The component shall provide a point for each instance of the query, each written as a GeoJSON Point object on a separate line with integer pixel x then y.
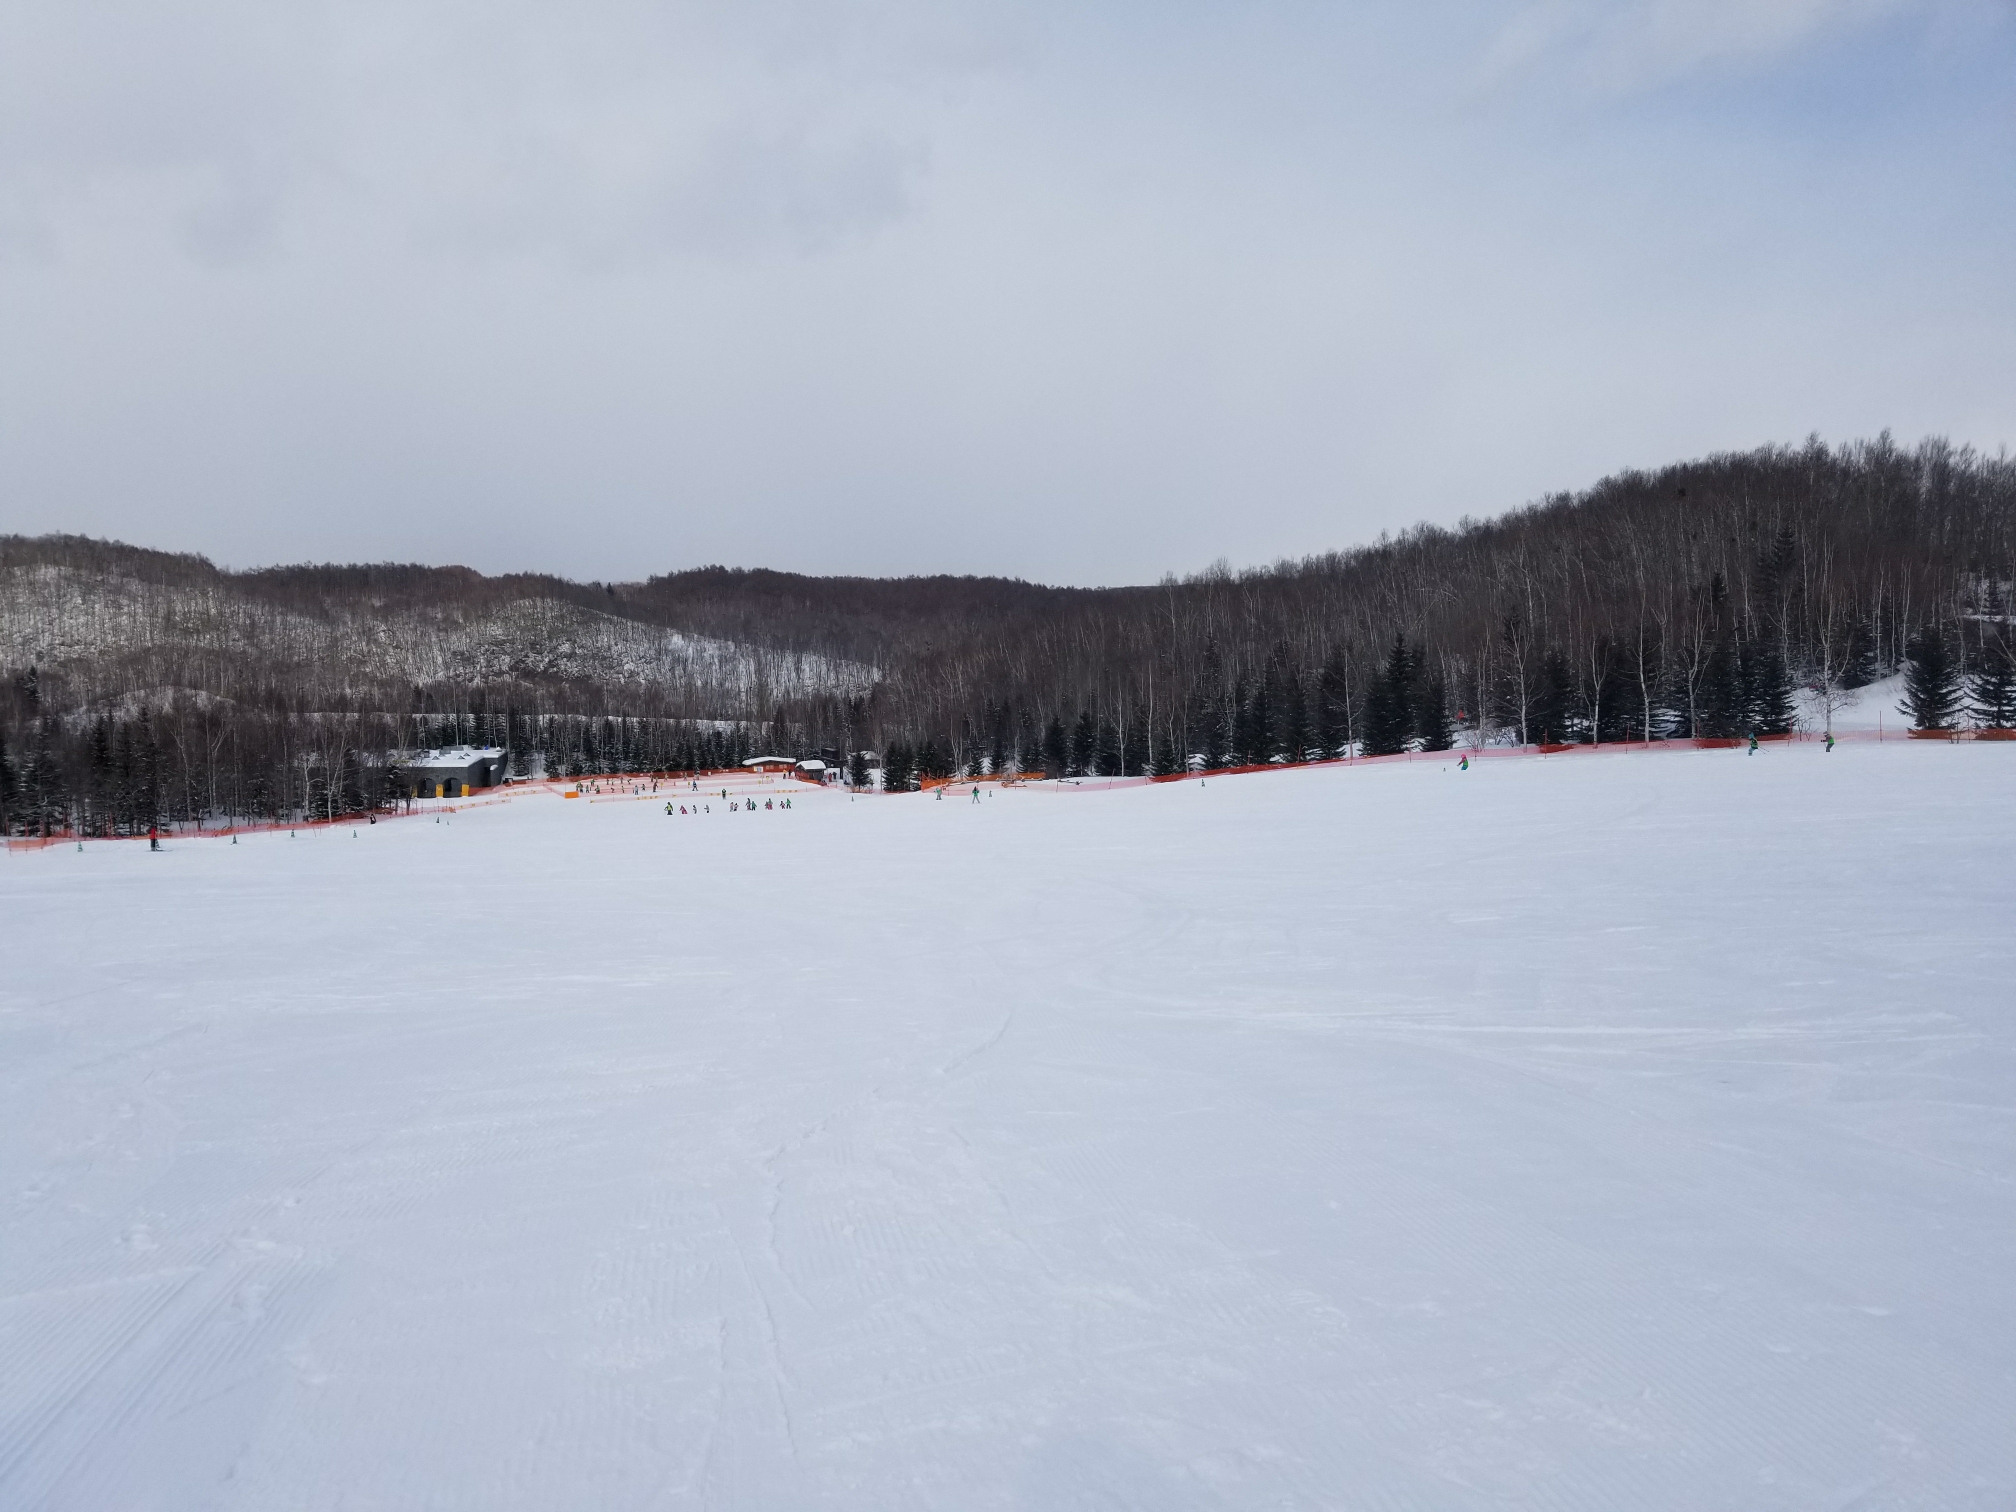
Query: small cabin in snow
{"type": "Point", "coordinates": [770, 764]}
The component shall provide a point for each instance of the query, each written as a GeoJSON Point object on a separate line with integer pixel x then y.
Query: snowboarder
{"type": "Point", "coordinates": [1464, 764]}
{"type": "Point", "coordinates": [1830, 741]}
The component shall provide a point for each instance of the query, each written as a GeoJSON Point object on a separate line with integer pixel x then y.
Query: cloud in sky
{"type": "Point", "coordinates": [1627, 44]}
{"type": "Point", "coordinates": [1082, 293]}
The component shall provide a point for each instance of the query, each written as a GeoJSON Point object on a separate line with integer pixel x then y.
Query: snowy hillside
{"type": "Point", "coordinates": [1607, 1131]}
{"type": "Point", "coordinates": [53, 615]}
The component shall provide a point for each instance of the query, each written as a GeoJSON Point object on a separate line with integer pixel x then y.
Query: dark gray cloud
{"type": "Point", "coordinates": [1082, 293]}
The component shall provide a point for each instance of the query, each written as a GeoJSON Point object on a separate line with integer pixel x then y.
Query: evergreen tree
{"type": "Point", "coordinates": [1767, 689]}
{"type": "Point", "coordinates": [350, 784]}
{"type": "Point", "coordinates": [1298, 739]}
{"type": "Point", "coordinates": [1431, 715]}
{"type": "Point", "coordinates": [101, 782]}
{"type": "Point", "coordinates": [1721, 696]}
{"type": "Point", "coordinates": [1333, 704]}
{"type": "Point", "coordinates": [7, 788]}
{"type": "Point", "coordinates": [1056, 749]}
{"type": "Point", "coordinates": [1389, 703]}
{"type": "Point", "coordinates": [1991, 679]}
{"type": "Point", "coordinates": [1859, 669]}
{"type": "Point", "coordinates": [857, 770]}
{"type": "Point", "coordinates": [1931, 681]}
{"type": "Point", "coordinates": [896, 768]}
{"type": "Point", "coordinates": [1551, 714]}
{"type": "Point", "coordinates": [1207, 709]}
{"type": "Point", "coordinates": [1084, 745]}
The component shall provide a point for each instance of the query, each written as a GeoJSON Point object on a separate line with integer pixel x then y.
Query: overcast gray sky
{"type": "Point", "coordinates": [1079, 292]}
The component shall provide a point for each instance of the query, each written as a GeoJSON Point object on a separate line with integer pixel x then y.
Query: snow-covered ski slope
{"type": "Point", "coordinates": [1592, 1132]}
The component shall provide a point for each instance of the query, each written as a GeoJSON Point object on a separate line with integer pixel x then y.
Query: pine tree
{"type": "Point", "coordinates": [1084, 745]}
{"type": "Point", "coordinates": [1298, 739]}
{"type": "Point", "coordinates": [1991, 679]}
{"type": "Point", "coordinates": [1552, 706]}
{"type": "Point", "coordinates": [350, 784]}
{"type": "Point", "coordinates": [1721, 699]}
{"type": "Point", "coordinates": [1333, 705]}
{"type": "Point", "coordinates": [1056, 749]}
{"type": "Point", "coordinates": [1767, 689]}
{"type": "Point", "coordinates": [1431, 715]}
{"type": "Point", "coordinates": [1207, 709]}
{"type": "Point", "coordinates": [1859, 668]}
{"type": "Point", "coordinates": [857, 770]}
{"type": "Point", "coordinates": [101, 781]}
{"type": "Point", "coordinates": [896, 768]}
{"type": "Point", "coordinates": [1389, 703]}
{"type": "Point", "coordinates": [1931, 681]}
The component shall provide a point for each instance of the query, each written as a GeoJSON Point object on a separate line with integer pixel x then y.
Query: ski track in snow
{"type": "Point", "coordinates": [1582, 1134]}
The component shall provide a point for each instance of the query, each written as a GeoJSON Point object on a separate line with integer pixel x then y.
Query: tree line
{"type": "Point", "coordinates": [1690, 601]}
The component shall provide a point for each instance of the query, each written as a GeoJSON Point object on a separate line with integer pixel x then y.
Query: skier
{"type": "Point", "coordinates": [153, 838]}
{"type": "Point", "coordinates": [1753, 744]}
{"type": "Point", "coordinates": [976, 792]}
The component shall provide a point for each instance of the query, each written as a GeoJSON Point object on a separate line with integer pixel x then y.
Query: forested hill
{"type": "Point", "coordinates": [1682, 601]}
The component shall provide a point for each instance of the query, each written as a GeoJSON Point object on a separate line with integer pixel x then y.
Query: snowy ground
{"type": "Point", "coordinates": [1588, 1132]}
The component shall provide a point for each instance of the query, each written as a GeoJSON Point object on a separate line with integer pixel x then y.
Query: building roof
{"type": "Point", "coordinates": [771, 761]}
{"type": "Point", "coordinates": [460, 758]}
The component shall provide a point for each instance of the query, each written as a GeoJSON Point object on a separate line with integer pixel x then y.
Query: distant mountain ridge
{"type": "Point", "coordinates": [103, 618]}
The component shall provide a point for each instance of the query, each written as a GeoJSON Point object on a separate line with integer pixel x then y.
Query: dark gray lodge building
{"type": "Point", "coordinates": [452, 773]}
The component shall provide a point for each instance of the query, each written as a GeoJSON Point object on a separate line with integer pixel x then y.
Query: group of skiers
{"type": "Point", "coordinates": [735, 805]}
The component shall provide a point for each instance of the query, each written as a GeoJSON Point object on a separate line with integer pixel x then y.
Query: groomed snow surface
{"type": "Point", "coordinates": [1599, 1132]}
